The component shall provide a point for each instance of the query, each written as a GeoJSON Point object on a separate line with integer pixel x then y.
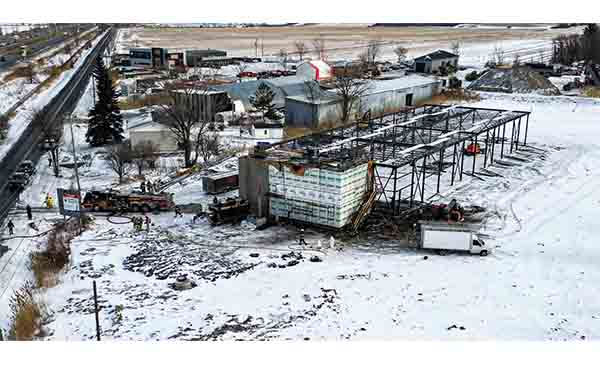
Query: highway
{"type": "Point", "coordinates": [29, 147]}
{"type": "Point", "coordinates": [12, 52]}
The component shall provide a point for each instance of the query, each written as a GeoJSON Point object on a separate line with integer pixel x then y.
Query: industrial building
{"type": "Point", "coordinates": [207, 103]}
{"type": "Point", "coordinates": [150, 57]}
{"type": "Point", "coordinates": [393, 162]}
{"type": "Point", "coordinates": [282, 87]}
{"type": "Point", "coordinates": [383, 96]}
{"type": "Point", "coordinates": [194, 57]}
{"type": "Point", "coordinates": [431, 63]}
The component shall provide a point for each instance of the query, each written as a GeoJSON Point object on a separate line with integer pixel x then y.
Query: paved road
{"type": "Point", "coordinates": [28, 146]}
{"type": "Point", "coordinates": [11, 58]}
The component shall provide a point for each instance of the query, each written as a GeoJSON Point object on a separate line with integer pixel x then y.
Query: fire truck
{"type": "Point", "coordinates": [112, 201]}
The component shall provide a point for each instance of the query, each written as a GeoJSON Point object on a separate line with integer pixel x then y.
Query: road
{"type": "Point", "coordinates": [12, 54]}
{"type": "Point", "coordinates": [28, 147]}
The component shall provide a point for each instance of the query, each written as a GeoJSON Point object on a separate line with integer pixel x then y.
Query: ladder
{"type": "Point", "coordinates": [364, 209]}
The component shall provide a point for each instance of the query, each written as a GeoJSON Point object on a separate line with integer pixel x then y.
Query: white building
{"type": "Point", "coordinates": [267, 131]}
{"type": "Point", "coordinates": [314, 70]}
{"type": "Point", "coordinates": [142, 129]}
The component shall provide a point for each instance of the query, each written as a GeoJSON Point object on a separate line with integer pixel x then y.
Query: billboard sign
{"type": "Point", "coordinates": [69, 202]}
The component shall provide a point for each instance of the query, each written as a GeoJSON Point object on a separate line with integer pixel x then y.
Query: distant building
{"type": "Point", "coordinates": [431, 63]}
{"type": "Point", "coordinates": [176, 59]}
{"type": "Point", "coordinates": [282, 87]}
{"type": "Point", "coordinates": [383, 96]}
{"type": "Point", "coordinates": [195, 57]}
{"type": "Point", "coordinates": [150, 57]}
{"type": "Point", "coordinates": [314, 70]}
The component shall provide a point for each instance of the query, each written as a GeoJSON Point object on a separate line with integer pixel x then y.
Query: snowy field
{"type": "Point", "coordinates": [538, 284]}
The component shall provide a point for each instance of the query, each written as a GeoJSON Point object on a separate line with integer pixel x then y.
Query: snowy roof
{"type": "Point", "coordinates": [437, 55]}
{"type": "Point", "coordinates": [405, 82]}
{"type": "Point", "coordinates": [282, 86]}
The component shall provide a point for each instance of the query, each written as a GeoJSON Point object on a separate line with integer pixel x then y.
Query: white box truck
{"type": "Point", "coordinates": [443, 237]}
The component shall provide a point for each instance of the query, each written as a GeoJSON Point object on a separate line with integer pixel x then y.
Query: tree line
{"type": "Point", "coordinates": [567, 49]}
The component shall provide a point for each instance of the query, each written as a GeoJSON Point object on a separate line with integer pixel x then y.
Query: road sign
{"type": "Point", "coordinates": [69, 202]}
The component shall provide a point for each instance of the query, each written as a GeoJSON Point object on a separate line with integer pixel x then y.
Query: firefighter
{"type": "Point", "coordinates": [301, 240]}
{"type": "Point", "coordinates": [49, 201]}
{"type": "Point", "coordinates": [49, 160]}
{"type": "Point", "coordinates": [147, 224]}
{"type": "Point", "coordinates": [11, 227]}
{"type": "Point", "coordinates": [29, 215]}
{"type": "Point", "coordinates": [143, 186]}
{"type": "Point", "coordinates": [331, 242]}
{"type": "Point", "coordinates": [149, 187]}
{"type": "Point", "coordinates": [178, 212]}
{"type": "Point", "coordinates": [215, 201]}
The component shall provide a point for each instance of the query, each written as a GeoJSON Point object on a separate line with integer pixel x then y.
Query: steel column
{"type": "Point", "coordinates": [503, 136]}
{"type": "Point", "coordinates": [453, 165]}
{"type": "Point", "coordinates": [526, 128]}
{"type": "Point", "coordinates": [412, 183]}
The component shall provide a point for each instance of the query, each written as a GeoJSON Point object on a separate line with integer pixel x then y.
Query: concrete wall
{"type": "Point", "coordinates": [308, 115]}
{"type": "Point", "coordinates": [254, 184]}
{"type": "Point", "coordinates": [434, 65]}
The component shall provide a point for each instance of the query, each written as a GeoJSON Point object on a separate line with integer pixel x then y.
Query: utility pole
{"type": "Point", "coordinates": [96, 311]}
{"type": "Point", "coordinates": [262, 48]}
{"type": "Point", "coordinates": [76, 169]}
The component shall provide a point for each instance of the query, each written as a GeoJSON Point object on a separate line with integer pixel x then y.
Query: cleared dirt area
{"type": "Point", "coordinates": [341, 40]}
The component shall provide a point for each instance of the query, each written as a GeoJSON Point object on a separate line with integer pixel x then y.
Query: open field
{"type": "Point", "coordinates": [342, 41]}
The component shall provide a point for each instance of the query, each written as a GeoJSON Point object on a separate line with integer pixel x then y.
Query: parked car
{"type": "Point", "coordinates": [18, 181]}
{"type": "Point", "coordinates": [27, 167]}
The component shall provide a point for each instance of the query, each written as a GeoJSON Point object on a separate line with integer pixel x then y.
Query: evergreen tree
{"type": "Point", "coordinates": [262, 101]}
{"type": "Point", "coordinates": [105, 123]}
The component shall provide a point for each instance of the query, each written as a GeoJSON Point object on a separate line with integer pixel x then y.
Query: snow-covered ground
{"type": "Point", "coordinates": [538, 284]}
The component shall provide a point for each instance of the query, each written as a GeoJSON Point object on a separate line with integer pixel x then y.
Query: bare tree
{"type": "Point", "coordinates": [144, 153]}
{"type": "Point", "coordinates": [349, 90]}
{"type": "Point", "coordinates": [184, 113]}
{"type": "Point", "coordinates": [456, 48]}
{"type": "Point", "coordinates": [373, 50]}
{"type": "Point", "coordinates": [498, 54]}
{"type": "Point", "coordinates": [239, 69]}
{"type": "Point", "coordinates": [319, 46]}
{"type": "Point", "coordinates": [209, 146]}
{"type": "Point", "coordinates": [283, 58]}
{"type": "Point", "coordinates": [301, 48]}
{"type": "Point", "coordinates": [312, 90]}
{"type": "Point", "coordinates": [517, 60]}
{"type": "Point", "coordinates": [119, 159]}
{"type": "Point", "coordinates": [401, 53]}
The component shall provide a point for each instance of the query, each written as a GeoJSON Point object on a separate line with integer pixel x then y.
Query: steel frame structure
{"type": "Point", "coordinates": [416, 144]}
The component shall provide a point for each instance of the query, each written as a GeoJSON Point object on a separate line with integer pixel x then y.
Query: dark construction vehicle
{"type": "Point", "coordinates": [230, 211]}
{"type": "Point", "coordinates": [111, 201]}
{"type": "Point", "coordinates": [220, 183]}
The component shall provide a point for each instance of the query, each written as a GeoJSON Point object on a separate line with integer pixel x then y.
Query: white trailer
{"type": "Point", "coordinates": [443, 237]}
